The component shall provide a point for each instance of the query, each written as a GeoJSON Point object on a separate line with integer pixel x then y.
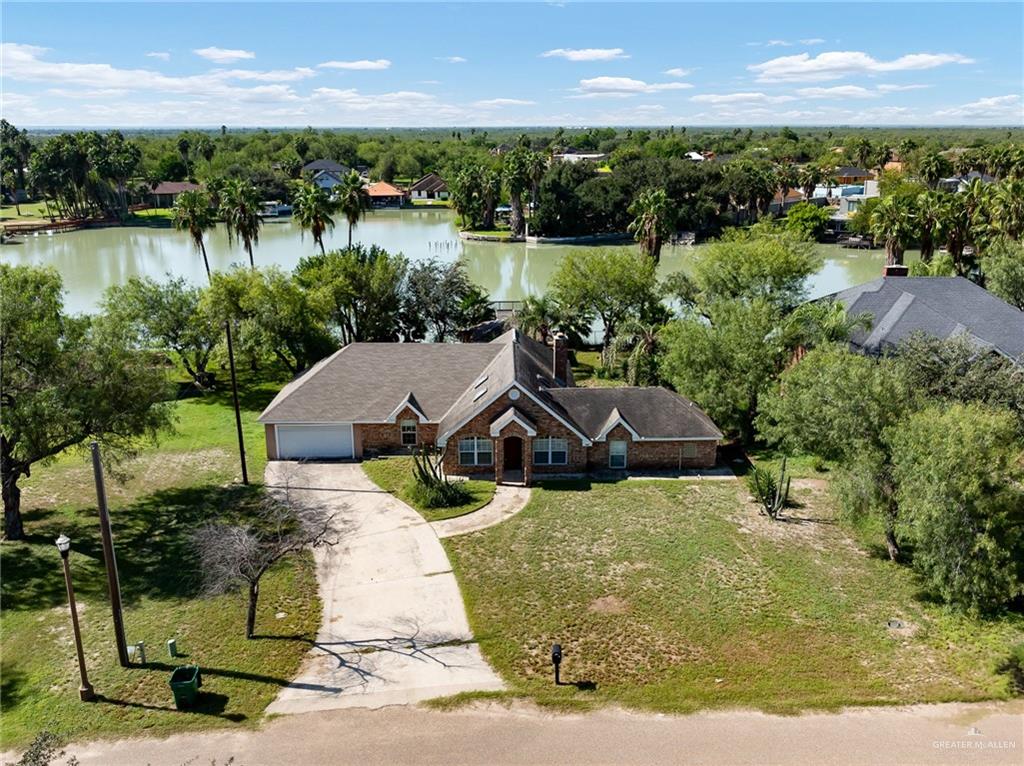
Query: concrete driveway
{"type": "Point", "coordinates": [394, 628]}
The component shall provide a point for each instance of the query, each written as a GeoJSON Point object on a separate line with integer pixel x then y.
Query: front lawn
{"type": "Point", "coordinates": [393, 474]}
{"type": "Point", "coordinates": [677, 596]}
{"type": "Point", "coordinates": [172, 488]}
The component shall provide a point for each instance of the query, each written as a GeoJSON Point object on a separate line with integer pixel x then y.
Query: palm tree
{"type": "Point", "coordinates": [240, 207]}
{"type": "Point", "coordinates": [808, 178]}
{"type": "Point", "coordinates": [536, 165]}
{"type": "Point", "coordinates": [653, 221]}
{"type": "Point", "coordinates": [192, 213]}
{"type": "Point", "coordinates": [930, 220]}
{"type": "Point", "coordinates": [862, 151]}
{"type": "Point", "coordinates": [541, 317]}
{"type": "Point", "coordinates": [956, 226]}
{"type": "Point", "coordinates": [515, 170]}
{"type": "Point", "coordinates": [184, 145]}
{"type": "Point", "coordinates": [788, 178]}
{"type": "Point", "coordinates": [1008, 208]}
{"type": "Point", "coordinates": [312, 208]}
{"type": "Point", "coordinates": [489, 186]}
{"type": "Point", "coordinates": [932, 168]}
{"type": "Point", "coordinates": [639, 341]}
{"type": "Point", "coordinates": [894, 221]}
{"type": "Point", "coordinates": [352, 201]}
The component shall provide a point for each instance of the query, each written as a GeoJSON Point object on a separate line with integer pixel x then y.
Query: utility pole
{"type": "Point", "coordinates": [113, 582]}
{"type": "Point", "coordinates": [234, 394]}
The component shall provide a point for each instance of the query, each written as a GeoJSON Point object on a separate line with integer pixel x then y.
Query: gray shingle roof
{"type": "Point", "coordinates": [364, 382]}
{"type": "Point", "coordinates": [451, 382]}
{"type": "Point", "coordinates": [940, 306]}
{"type": "Point", "coordinates": [654, 413]}
{"type": "Point", "coordinates": [331, 165]}
{"type": "Point", "coordinates": [431, 182]}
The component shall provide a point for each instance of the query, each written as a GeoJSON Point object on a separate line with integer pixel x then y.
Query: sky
{"type": "Point", "coordinates": [426, 64]}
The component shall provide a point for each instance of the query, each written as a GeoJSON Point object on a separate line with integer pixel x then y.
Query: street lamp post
{"type": "Point", "coordinates": [85, 691]}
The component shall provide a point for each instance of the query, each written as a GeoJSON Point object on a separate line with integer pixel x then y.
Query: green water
{"type": "Point", "coordinates": [93, 259]}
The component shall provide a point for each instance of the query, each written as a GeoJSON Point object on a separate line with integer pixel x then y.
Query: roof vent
{"type": "Point", "coordinates": [480, 381]}
{"type": "Point", "coordinates": [479, 393]}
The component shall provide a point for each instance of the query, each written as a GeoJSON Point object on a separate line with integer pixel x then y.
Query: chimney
{"type": "Point", "coordinates": [560, 358]}
{"type": "Point", "coordinates": [895, 270]}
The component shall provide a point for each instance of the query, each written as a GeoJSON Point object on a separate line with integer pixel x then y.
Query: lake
{"type": "Point", "coordinates": [93, 259]}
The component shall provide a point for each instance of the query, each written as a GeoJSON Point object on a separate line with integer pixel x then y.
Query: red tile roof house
{"type": "Point", "coordinates": [507, 409]}
{"type": "Point", "coordinates": [383, 194]}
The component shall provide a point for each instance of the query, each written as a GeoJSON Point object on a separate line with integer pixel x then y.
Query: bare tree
{"type": "Point", "coordinates": [235, 555]}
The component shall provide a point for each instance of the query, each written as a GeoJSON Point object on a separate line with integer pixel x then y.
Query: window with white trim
{"type": "Point", "coordinates": [476, 450]}
{"type": "Point", "coordinates": [689, 449]}
{"type": "Point", "coordinates": [550, 451]}
{"type": "Point", "coordinates": [408, 433]}
{"type": "Point", "coordinates": [616, 454]}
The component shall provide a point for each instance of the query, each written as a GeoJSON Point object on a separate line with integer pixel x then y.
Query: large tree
{"type": "Point", "coordinates": [168, 315]}
{"type": "Point", "coordinates": [894, 222]}
{"type": "Point", "coordinates": [516, 174]}
{"type": "Point", "coordinates": [612, 285]}
{"type": "Point", "coordinates": [363, 288]}
{"type": "Point", "coordinates": [963, 508]}
{"type": "Point", "coordinates": [1003, 267]}
{"type": "Point", "coordinates": [65, 379]}
{"type": "Point", "coordinates": [440, 299]}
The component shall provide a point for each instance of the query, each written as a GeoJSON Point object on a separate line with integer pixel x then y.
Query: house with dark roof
{"type": "Point", "coordinates": [847, 174]}
{"type": "Point", "coordinates": [507, 409]}
{"type": "Point", "coordinates": [165, 193]}
{"type": "Point", "coordinates": [943, 307]}
{"type": "Point", "coordinates": [431, 186]}
{"type": "Point", "coordinates": [325, 173]}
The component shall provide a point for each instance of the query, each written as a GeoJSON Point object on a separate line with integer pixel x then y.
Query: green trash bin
{"type": "Point", "coordinates": [185, 682]}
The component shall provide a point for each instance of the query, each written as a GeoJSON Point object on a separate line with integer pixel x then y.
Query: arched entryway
{"type": "Point", "coordinates": [512, 454]}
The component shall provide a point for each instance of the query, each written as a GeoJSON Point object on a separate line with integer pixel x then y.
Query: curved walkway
{"type": "Point", "coordinates": [507, 502]}
{"type": "Point", "coordinates": [394, 627]}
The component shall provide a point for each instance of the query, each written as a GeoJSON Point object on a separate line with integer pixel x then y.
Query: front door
{"type": "Point", "coordinates": [513, 449]}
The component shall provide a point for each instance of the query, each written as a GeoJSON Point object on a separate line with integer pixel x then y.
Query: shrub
{"type": "Point", "coordinates": [771, 493]}
{"type": "Point", "coordinates": [429, 488]}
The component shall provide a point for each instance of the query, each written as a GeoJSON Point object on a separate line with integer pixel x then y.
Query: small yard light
{"type": "Point", "coordinates": [556, 660]}
{"type": "Point", "coordinates": [85, 691]}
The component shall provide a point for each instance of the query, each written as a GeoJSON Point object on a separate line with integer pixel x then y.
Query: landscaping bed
{"type": "Point", "coordinates": [171, 490]}
{"type": "Point", "coordinates": [678, 596]}
{"type": "Point", "coordinates": [394, 473]}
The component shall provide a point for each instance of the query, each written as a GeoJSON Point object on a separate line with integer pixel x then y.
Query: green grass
{"type": "Point", "coordinates": [678, 596]}
{"type": "Point", "coordinates": [588, 371]}
{"type": "Point", "coordinates": [171, 488]}
{"type": "Point", "coordinates": [431, 203]}
{"type": "Point", "coordinates": [499, 233]}
{"type": "Point", "coordinates": [29, 211]}
{"type": "Point", "coordinates": [393, 474]}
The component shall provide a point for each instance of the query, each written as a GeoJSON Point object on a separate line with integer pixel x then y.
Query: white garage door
{"type": "Point", "coordinates": [298, 442]}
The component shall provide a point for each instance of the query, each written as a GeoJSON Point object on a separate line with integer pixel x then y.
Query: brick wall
{"type": "Point", "coordinates": [376, 438]}
{"type": "Point", "coordinates": [654, 454]}
{"type": "Point", "coordinates": [271, 437]}
{"type": "Point", "coordinates": [546, 426]}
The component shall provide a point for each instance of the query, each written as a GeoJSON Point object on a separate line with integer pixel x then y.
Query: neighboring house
{"type": "Point", "coordinates": [325, 173]}
{"type": "Point", "coordinates": [847, 174]}
{"type": "Point", "coordinates": [695, 157]}
{"type": "Point", "coordinates": [383, 194]}
{"type": "Point", "coordinates": [165, 193]}
{"type": "Point", "coordinates": [849, 204]}
{"type": "Point", "coordinates": [940, 306]}
{"type": "Point", "coordinates": [431, 186]}
{"type": "Point", "coordinates": [960, 183]}
{"type": "Point", "coordinates": [506, 409]}
{"type": "Point", "coordinates": [778, 204]}
{"type": "Point", "coordinates": [594, 157]}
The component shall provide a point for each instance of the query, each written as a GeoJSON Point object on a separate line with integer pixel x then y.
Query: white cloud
{"type": "Point", "coordinates": [361, 64]}
{"type": "Point", "coordinates": [812, 41]}
{"type": "Point", "coordinates": [621, 87]}
{"type": "Point", "coordinates": [898, 88]}
{"type": "Point", "coordinates": [493, 102]}
{"type": "Point", "coordinates": [834, 65]}
{"type": "Point", "coordinates": [838, 91]}
{"type": "Point", "coordinates": [778, 44]}
{"type": "Point", "coordinates": [85, 93]}
{"type": "Point", "coordinates": [678, 72]}
{"type": "Point", "coordinates": [452, 59]}
{"type": "Point", "coordinates": [586, 54]}
{"type": "Point", "coordinates": [223, 55]}
{"type": "Point", "coordinates": [162, 55]}
{"type": "Point", "coordinates": [991, 108]}
{"type": "Point", "coordinates": [740, 98]}
{"type": "Point", "coordinates": [273, 75]}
